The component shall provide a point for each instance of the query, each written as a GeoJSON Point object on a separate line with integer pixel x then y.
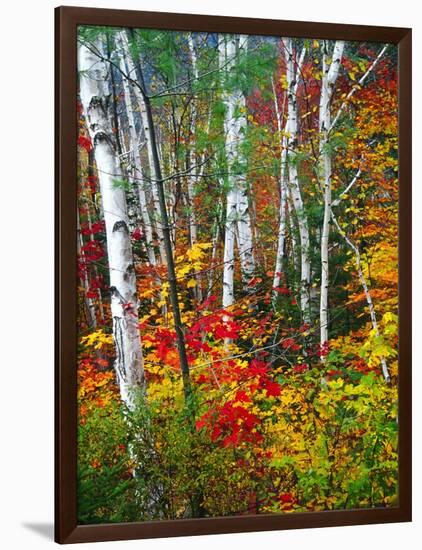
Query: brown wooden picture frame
{"type": "Point", "coordinates": [66, 528]}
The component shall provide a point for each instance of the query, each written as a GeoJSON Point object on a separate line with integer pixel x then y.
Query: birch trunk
{"type": "Point", "coordinates": [292, 76]}
{"type": "Point", "coordinates": [213, 257]}
{"type": "Point", "coordinates": [124, 304]}
{"type": "Point", "coordinates": [147, 138]}
{"type": "Point", "coordinates": [329, 76]}
{"type": "Point", "coordinates": [228, 258]}
{"type": "Point", "coordinates": [238, 224]}
{"type": "Point", "coordinates": [226, 50]}
{"type": "Point", "coordinates": [282, 210]}
{"type": "Point", "coordinates": [244, 225]}
{"type": "Point", "coordinates": [138, 177]}
{"type": "Point", "coordinates": [192, 176]}
{"type": "Point", "coordinates": [294, 252]}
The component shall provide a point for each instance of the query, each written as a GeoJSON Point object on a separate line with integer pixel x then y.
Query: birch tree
{"type": "Point", "coordinates": [326, 124]}
{"type": "Point", "coordinates": [95, 99]}
{"type": "Point", "coordinates": [283, 196]}
{"type": "Point", "coordinates": [244, 225]}
{"type": "Point", "coordinates": [330, 71]}
{"type": "Point", "coordinates": [215, 149]}
{"type": "Point", "coordinates": [193, 122]}
{"type": "Point", "coordinates": [137, 172]}
{"type": "Point", "coordinates": [147, 143]}
{"type": "Point", "coordinates": [238, 223]}
{"type": "Point", "coordinates": [293, 65]}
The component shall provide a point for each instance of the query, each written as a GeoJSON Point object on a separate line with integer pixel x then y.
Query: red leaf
{"type": "Point", "coordinates": [273, 389]}
{"type": "Point", "coordinates": [300, 368]}
{"type": "Point", "coordinates": [92, 251]}
{"type": "Point", "coordinates": [242, 396]}
{"type": "Point", "coordinates": [286, 498]}
{"type": "Point", "coordinates": [289, 343]}
{"type": "Point", "coordinates": [85, 142]}
{"type": "Point", "coordinates": [199, 424]}
{"type": "Point", "coordinates": [229, 329]}
{"type": "Point", "coordinates": [137, 234]}
{"type": "Point", "coordinates": [281, 289]}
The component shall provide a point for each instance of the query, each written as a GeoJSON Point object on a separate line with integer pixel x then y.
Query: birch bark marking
{"type": "Point", "coordinates": [329, 76]}
{"type": "Point", "coordinates": [228, 257]}
{"type": "Point", "coordinates": [124, 304]}
{"type": "Point", "coordinates": [292, 76]}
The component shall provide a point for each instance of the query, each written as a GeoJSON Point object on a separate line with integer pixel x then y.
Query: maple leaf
{"type": "Point", "coordinates": [272, 389]}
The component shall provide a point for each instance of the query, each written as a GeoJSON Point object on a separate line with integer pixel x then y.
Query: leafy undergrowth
{"type": "Point", "coordinates": [289, 427]}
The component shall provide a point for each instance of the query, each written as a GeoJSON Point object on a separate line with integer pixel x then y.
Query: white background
{"type": "Point", "coordinates": [26, 271]}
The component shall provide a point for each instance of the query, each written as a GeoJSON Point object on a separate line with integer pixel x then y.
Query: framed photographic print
{"type": "Point", "coordinates": [233, 274]}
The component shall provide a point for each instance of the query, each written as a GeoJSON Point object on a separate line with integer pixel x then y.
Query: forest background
{"type": "Point", "coordinates": [237, 268]}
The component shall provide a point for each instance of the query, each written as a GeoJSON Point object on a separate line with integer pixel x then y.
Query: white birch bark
{"type": "Point", "coordinates": [227, 48]}
{"type": "Point", "coordinates": [292, 76]}
{"type": "Point", "coordinates": [238, 222]}
{"type": "Point", "coordinates": [124, 304]}
{"type": "Point", "coordinates": [329, 76]}
{"type": "Point", "coordinates": [138, 177]}
{"type": "Point", "coordinates": [213, 258]}
{"type": "Point", "coordinates": [244, 225]}
{"type": "Point", "coordinates": [192, 176]}
{"type": "Point", "coordinates": [326, 125]}
{"type": "Point", "coordinates": [228, 257]}
{"type": "Point", "coordinates": [281, 238]}
{"type": "Point", "coordinates": [295, 252]}
{"type": "Point", "coordinates": [244, 236]}
{"type": "Point", "coordinates": [147, 139]}
{"type": "Point", "coordinates": [283, 197]}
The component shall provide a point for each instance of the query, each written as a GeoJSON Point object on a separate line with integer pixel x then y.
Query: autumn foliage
{"type": "Point", "coordinates": [275, 422]}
